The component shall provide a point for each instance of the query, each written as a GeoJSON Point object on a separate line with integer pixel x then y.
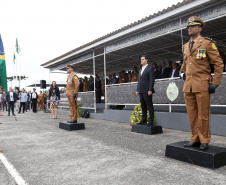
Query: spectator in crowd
{"type": "Point", "coordinates": [98, 89]}
{"type": "Point", "coordinates": [34, 97]}
{"type": "Point", "coordinates": [23, 100]}
{"type": "Point", "coordinates": [135, 74]}
{"type": "Point", "coordinates": [54, 98]}
{"type": "Point", "coordinates": [114, 79]}
{"type": "Point", "coordinates": [80, 86]}
{"type": "Point", "coordinates": [164, 70]}
{"type": "Point", "coordinates": [62, 90]}
{"type": "Point", "coordinates": [91, 84]}
{"type": "Point", "coordinates": [129, 76]}
{"type": "Point", "coordinates": [17, 100]}
{"type": "Point", "coordinates": [40, 100]}
{"type": "Point", "coordinates": [28, 107]}
{"type": "Point", "coordinates": [122, 77]}
{"type": "Point", "coordinates": [174, 71]}
{"type": "Point", "coordinates": [3, 101]}
{"type": "Point", "coordinates": [10, 100]}
{"type": "Point", "coordinates": [170, 63]}
{"type": "Point", "coordinates": [156, 71]}
{"type": "Point", "coordinates": [85, 84]}
{"type": "Point", "coordinates": [110, 81]}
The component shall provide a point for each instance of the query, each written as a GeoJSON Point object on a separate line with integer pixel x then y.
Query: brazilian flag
{"type": "Point", "coordinates": [3, 75]}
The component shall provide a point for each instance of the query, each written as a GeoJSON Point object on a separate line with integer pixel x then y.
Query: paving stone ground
{"type": "Point", "coordinates": [104, 153]}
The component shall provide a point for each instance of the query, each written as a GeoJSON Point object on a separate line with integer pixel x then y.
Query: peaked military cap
{"type": "Point", "coordinates": [69, 66]}
{"type": "Point", "coordinates": [195, 21]}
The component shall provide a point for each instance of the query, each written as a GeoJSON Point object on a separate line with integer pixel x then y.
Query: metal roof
{"type": "Point", "coordinates": [166, 46]}
{"type": "Point", "coordinates": [179, 4]}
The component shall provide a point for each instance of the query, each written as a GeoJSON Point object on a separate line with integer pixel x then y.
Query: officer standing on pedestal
{"type": "Point", "coordinates": [72, 93]}
{"type": "Point", "coordinates": [198, 53]}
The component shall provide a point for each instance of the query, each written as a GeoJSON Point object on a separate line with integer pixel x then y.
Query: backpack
{"type": "Point", "coordinates": [85, 114]}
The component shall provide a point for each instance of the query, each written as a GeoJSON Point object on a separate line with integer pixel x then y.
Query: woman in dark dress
{"type": "Point", "coordinates": [54, 98]}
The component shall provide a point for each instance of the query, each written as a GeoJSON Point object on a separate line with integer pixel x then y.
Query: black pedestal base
{"type": "Point", "coordinates": [71, 126]}
{"type": "Point", "coordinates": [143, 129]}
{"type": "Point", "coordinates": [213, 158]}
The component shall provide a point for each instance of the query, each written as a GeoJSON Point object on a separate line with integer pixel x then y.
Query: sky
{"type": "Point", "coordinates": [46, 29]}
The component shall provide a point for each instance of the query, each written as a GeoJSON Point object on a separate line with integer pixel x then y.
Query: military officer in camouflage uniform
{"type": "Point", "coordinates": [72, 93]}
{"type": "Point", "coordinates": [198, 53]}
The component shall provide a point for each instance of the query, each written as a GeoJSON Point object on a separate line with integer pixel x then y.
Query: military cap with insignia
{"type": "Point", "coordinates": [69, 66]}
{"type": "Point", "coordinates": [195, 21]}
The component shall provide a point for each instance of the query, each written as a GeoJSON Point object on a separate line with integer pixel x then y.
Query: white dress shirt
{"type": "Point", "coordinates": [34, 95]}
{"type": "Point", "coordinates": [143, 68]}
{"type": "Point", "coordinates": [11, 96]}
{"type": "Point", "coordinates": [173, 71]}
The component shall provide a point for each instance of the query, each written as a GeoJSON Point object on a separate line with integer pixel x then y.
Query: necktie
{"type": "Point", "coordinates": [192, 43]}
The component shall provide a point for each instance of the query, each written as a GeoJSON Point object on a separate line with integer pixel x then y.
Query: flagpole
{"type": "Point", "coordinates": [19, 72]}
{"type": "Point", "coordinates": [13, 73]}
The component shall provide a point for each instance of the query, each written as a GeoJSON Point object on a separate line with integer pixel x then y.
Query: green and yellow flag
{"type": "Point", "coordinates": [3, 75]}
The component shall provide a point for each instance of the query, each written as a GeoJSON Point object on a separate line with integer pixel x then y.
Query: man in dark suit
{"type": "Point", "coordinates": [34, 97]}
{"type": "Point", "coordinates": [80, 89]}
{"type": "Point", "coordinates": [164, 70]}
{"type": "Point", "coordinates": [10, 100]}
{"type": "Point", "coordinates": [98, 89]}
{"type": "Point", "coordinates": [174, 72]}
{"type": "Point", "coordinates": [145, 89]}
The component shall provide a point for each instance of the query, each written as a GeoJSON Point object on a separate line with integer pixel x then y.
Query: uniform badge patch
{"type": "Point", "coordinates": [191, 19]}
{"type": "Point", "coordinates": [214, 46]}
{"type": "Point", "coordinates": [75, 77]}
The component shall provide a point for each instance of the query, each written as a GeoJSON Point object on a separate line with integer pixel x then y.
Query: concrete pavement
{"type": "Point", "coordinates": [105, 153]}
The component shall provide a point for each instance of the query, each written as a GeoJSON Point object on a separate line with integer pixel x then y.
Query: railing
{"type": "Point", "coordinates": [124, 94]}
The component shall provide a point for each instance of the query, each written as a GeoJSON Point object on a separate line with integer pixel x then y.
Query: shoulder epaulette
{"type": "Point", "coordinates": [207, 38]}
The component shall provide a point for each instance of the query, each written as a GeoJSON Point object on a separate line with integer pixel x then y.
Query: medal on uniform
{"type": "Point", "coordinates": [197, 55]}
{"type": "Point", "coordinates": [70, 80]}
{"type": "Point", "coordinates": [204, 53]}
{"type": "Point", "coordinates": [200, 55]}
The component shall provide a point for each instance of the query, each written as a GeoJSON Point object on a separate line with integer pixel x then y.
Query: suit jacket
{"type": "Point", "coordinates": [157, 74]}
{"type": "Point", "coordinates": [32, 98]}
{"type": "Point", "coordinates": [8, 97]}
{"type": "Point", "coordinates": [176, 73]}
{"type": "Point", "coordinates": [98, 85]}
{"type": "Point", "coordinates": [146, 80]}
{"type": "Point", "coordinates": [165, 73]}
{"type": "Point", "coordinates": [197, 67]}
{"type": "Point", "coordinates": [80, 89]}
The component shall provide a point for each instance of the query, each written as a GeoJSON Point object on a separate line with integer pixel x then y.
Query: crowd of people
{"type": "Point", "coordinates": [170, 70]}
{"type": "Point", "coordinates": [25, 101]}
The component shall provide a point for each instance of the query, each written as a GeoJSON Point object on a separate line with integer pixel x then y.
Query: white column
{"type": "Point", "coordinates": [105, 78]}
{"type": "Point", "coordinates": [94, 80]}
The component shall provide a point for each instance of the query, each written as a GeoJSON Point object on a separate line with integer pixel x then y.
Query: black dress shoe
{"type": "Point", "coordinates": [204, 146]}
{"type": "Point", "coordinates": [71, 121]}
{"type": "Point", "coordinates": [8, 114]}
{"type": "Point", "coordinates": [190, 144]}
